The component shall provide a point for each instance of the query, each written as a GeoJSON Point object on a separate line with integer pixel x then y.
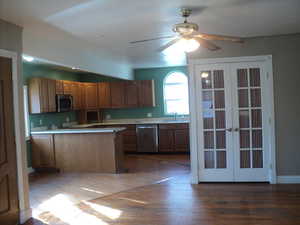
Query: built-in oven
{"type": "Point", "coordinates": [64, 103]}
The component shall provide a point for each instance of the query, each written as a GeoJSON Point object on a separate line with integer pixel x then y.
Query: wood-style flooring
{"type": "Point", "coordinates": [176, 202]}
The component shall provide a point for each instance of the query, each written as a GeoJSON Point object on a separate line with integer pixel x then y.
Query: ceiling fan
{"type": "Point", "coordinates": [188, 37]}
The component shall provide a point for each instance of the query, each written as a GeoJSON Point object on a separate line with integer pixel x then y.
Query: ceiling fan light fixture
{"type": "Point", "coordinates": [189, 45]}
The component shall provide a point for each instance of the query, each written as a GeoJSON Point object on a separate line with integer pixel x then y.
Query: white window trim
{"type": "Point", "coordinates": [164, 99]}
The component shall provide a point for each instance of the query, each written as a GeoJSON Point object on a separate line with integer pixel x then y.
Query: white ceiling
{"type": "Point", "coordinates": [109, 25]}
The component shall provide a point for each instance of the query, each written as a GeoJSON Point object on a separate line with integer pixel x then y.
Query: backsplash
{"type": "Point", "coordinates": [51, 119]}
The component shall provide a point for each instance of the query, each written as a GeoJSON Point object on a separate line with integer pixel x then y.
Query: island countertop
{"type": "Point", "coordinates": [80, 131]}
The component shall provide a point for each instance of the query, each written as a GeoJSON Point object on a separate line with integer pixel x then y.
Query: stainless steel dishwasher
{"type": "Point", "coordinates": [147, 139]}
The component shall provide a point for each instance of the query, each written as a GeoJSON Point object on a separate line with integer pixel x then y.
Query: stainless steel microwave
{"type": "Point", "coordinates": [64, 103]}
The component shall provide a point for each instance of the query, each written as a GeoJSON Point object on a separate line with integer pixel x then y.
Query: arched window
{"type": "Point", "coordinates": [176, 97]}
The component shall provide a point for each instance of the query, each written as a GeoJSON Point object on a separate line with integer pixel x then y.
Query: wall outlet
{"type": "Point", "coordinates": [108, 116]}
{"type": "Point", "coordinates": [149, 114]}
{"type": "Point", "coordinates": [67, 119]}
{"type": "Point", "coordinates": [41, 122]}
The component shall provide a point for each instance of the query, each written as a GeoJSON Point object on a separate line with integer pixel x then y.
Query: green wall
{"type": "Point", "coordinates": [158, 75]}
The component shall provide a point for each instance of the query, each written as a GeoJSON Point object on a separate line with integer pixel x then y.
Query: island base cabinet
{"type": "Point", "coordinates": [43, 154]}
{"type": "Point", "coordinates": [92, 152]}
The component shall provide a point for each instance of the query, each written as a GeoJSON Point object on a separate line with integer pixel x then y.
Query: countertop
{"type": "Point", "coordinates": [80, 131]}
{"type": "Point", "coordinates": [141, 121]}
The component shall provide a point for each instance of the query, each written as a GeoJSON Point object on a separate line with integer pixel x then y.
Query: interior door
{"type": "Point", "coordinates": [9, 210]}
{"type": "Point", "coordinates": [231, 121]}
{"type": "Point", "coordinates": [215, 122]}
{"type": "Point", "coordinates": [248, 80]}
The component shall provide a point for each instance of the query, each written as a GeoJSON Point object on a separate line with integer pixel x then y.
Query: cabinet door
{"type": "Point", "coordinates": [181, 140]}
{"type": "Point", "coordinates": [104, 95]}
{"type": "Point", "coordinates": [131, 94]}
{"type": "Point", "coordinates": [82, 95]}
{"type": "Point", "coordinates": [59, 87]}
{"type": "Point", "coordinates": [67, 87]}
{"type": "Point", "coordinates": [44, 95]}
{"type": "Point", "coordinates": [166, 140]}
{"type": "Point", "coordinates": [51, 95]}
{"type": "Point", "coordinates": [117, 95]}
{"type": "Point", "coordinates": [91, 96]}
{"type": "Point", "coordinates": [75, 92]}
{"type": "Point", "coordinates": [146, 93]}
{"type": "Point", "coordinates": [129, 138]}
{"type": "Point", "coordinates": [43, 151]}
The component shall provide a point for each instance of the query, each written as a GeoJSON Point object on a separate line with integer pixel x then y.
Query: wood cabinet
{"type": "Point", "coordinates": [91, 96]}
{"type": "Point", "coordinates": [75, 92]}
{"type": "Point", "coordinates": [104, 95]}
{"type": "Point", "coordinates": [67, 87]}
{"type": "Point", "coordinates": [146, 93]}
{"type": "Point", "coordinates": [129, 139]}
{"type": "Point", "coordinates": [173, 138]}
{"type": "Point", "coordinates": [42, 94]}
{"type": "Point", "coordinates": [131, 94]}
{"type": "Point", "coordinates": [117, 90]}
{"type": "Point", "coordinates": [51, 95]}
{"type": "Point", "coordinates": [59, 87]}
{"type": "Point", "coordinates": [43, 155]}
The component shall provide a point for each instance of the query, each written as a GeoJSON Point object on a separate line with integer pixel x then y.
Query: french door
{"type": "Point", "coordinates": [231, 122]}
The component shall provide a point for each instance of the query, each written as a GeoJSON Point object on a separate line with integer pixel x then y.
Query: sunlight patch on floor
{"type": "Point", "coordinates": [62, 209]}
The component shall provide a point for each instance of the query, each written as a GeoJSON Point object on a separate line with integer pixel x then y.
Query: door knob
{"type": "Point", "coordinates": [236, 129]}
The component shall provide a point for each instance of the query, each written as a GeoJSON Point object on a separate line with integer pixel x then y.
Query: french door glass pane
{"type": "Point", "coordinates": [218, 79]}
{"type": "Point", "coordinates": [254, 77]}
{"type": "Point", "coordinates": [244, 118]}
{"type": "Point", "coordinates": [206, 80]}
{"type": "Point", "coordinates": [243, 98]}
{"type": "Point", "coordinates": [255, 98]}
{"type": "Point", "coordinates": [242, 78]}
{"type": "Point", "coordinates": [208, 139]}
{"type": "Point", "coordinates": [221, 159]}
{"type": "Point", "coordinates": [220, 139]}
{"type": "Point", "coordinates": [209, 159]}
{"type": "Point", "coordinates": [219, 99]}
{"type": "Point", "coordinates": [214, 119]}
{"type": "Point", "coordinates": [257, 158]}
{"type": "Point", "coordinates": [220, 119]}
{"type": "Point", "coordinates": [245, 160]}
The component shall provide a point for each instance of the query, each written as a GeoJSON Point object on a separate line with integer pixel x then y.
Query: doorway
{"type": "Point", "coordinates": [233, 121]}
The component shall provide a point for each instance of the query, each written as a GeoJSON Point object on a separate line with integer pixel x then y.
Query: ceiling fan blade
{"type": "Point", "coordinates": [219, 37]}
{"type": "Point", "coordinates": [207, 44]}
{"type": "Point", "coordinates": [162, 48]}
{"type": "Point", "coordinates": [152, 39]}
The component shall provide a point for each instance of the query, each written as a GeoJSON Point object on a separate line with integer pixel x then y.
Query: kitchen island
{"type": "Point", "coordinates": [78, 150]}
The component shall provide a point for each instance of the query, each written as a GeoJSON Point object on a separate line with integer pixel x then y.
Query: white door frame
{"type": "Point", "coordinates": [194, 125]}
{"type": "Point", "coordinates": [22, 175]}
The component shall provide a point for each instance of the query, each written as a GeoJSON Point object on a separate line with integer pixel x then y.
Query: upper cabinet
{"type": "Point", "coordinates": [42, 94]}
{"type": "Point", "coordinates": [117, 90]}
{"type": "Point", "coordinates": [131, 94]}
{"type": "Point", "coordinates": [90, 96]}
{"type": "Point", "coordinates": [104, 95]}
{"type": "Point", "coordinates": [146, 93]}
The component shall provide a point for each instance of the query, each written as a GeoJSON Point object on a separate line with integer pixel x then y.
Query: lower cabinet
{"type": "Point", "coordinates": [43, 155]}
{"type": "Point", "coordinates": [173, 138]}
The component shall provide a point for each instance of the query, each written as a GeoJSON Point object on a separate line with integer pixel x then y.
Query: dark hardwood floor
{"type": "Point", "coordinates": [176, 202]}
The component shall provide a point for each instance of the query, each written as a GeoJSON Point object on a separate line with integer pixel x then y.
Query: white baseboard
{"type": "Point", "coordinates": [25, 215]}
{"type": "Point", "coordinates": [288, 179]}
{"type": "Point", "coordinates": [30, 170]}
